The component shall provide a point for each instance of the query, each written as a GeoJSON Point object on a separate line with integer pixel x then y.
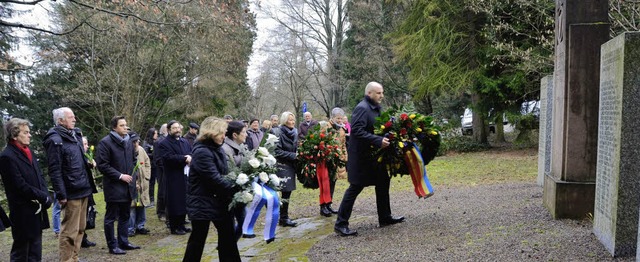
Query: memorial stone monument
{"type": "Point", "coordinates": [544, 136]}
{"type": "Point", "coordinates": [581, 27]}
{"type": "Point", "coordinates": [615, 221]}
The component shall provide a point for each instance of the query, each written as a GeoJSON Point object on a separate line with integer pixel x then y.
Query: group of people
{"type": "Point", "coordinates": [189, 171]}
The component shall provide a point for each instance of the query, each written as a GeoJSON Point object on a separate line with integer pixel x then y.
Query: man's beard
{"type": "Point", "coordinates": [176, 135]}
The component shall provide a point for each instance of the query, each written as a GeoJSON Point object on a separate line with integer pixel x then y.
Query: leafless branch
{"type": "Point", "coordinates": [34, 2]}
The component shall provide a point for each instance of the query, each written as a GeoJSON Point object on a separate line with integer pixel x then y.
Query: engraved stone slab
{"type": "Point", "coordinates": [618, 165]}
{"type": "Point", "coordinates": [545, 130]}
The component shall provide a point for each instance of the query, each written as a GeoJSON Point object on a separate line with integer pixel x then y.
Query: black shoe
{"type": "Point", "coordinates": [333, 211]}
{"type": "Point", "coordinates": [186, 229]}
{"type": "Point", "coordinates": [345, 231]}
{"type": "Point", "coordinates": [178, 232]}
{"type": "Point", "coordinates": [270, 240]}
{"type": "Point", "coordinates": [390, 220]}
{"type": "Point", "coordinates": [142, 231]}
{"type": "Point", "coordinates": [129, 246]}
{"type": "Point", "coordinates": [117, 251]}
{"type": "Point", "coordinates": [87, 243]}
{"type": "Point", "coordinates": [324, 211]}
{"type": "Point", "coordinates": [131, 234]}
{"type": "Point", "coordinates": [248, 235]}
{"type": "Point", "coordinates": [286, 222]}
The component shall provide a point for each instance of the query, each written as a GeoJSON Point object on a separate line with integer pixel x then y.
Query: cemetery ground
{"type": "Point", "coordinates": [486, 207]}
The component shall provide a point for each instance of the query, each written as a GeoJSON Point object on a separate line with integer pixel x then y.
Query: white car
{"type": "Point", "coordinates": [466, 122]}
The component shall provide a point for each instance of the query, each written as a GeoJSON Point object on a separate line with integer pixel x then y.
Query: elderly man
{"type": "Point", "coordinates": [26, 192]}
{"type": "Point", "coordinates": [174, 153]}
{"type": "Point", "coordinates": [72, 180]}
{"type": "Point", "coordinates": [115, 159]}
{"type": "Point", "coordinates": [361, 171]}
{"type": "Point", "coordinates": [193, 133]}
{"type": "Point", "coordinates": [275, 121]}
{"type": "Point", "coordinates": [306, 125]}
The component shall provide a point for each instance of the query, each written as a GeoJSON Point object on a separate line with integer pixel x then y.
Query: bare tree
{"type": "Point", "coordinates": [150, 72]}
{"type": "Point", "coordinates": [319, 26]}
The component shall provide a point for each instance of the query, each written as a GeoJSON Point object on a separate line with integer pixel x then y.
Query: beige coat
{"type": "Point", "coordinates": [142, 181]}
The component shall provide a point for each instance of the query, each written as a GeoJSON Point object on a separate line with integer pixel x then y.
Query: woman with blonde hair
{"type": "Point", "coordinates": [209, 194]}
{"type": "Point", "coordinates": [285, 153]}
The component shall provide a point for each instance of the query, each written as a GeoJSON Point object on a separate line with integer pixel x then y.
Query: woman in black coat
{"type": "Point", "coordinates": [285, 153]}
{"type": "Point", "coordinates": [26, 192]}
{"type": "Point", "coordinates": [209, 195]}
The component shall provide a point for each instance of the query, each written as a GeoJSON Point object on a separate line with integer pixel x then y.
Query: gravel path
{"type": "Point", "coordinates": [502, 222]}
{"type": "Point", "coordinates": [498, 222]}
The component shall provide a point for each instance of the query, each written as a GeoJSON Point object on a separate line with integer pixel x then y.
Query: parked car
{"type": "Point", "coordinates": [466, 122]}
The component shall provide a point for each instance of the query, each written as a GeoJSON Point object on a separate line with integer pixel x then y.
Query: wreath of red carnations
{"type": "Point", "coordinates": [319, 145]}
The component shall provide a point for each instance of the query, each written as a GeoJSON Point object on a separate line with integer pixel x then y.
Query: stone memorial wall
{"type": "Point", "coordinates": [618, 160]}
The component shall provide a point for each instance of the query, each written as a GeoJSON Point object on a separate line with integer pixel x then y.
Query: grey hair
{"type": "Point", "coordinates": [163, 129]}
{"type": "Point", "coordinates": [305, 113]}
{"type": "Point", "coordinates": [58, 114]}
{"type": "Point", "coordinates": [337, 112]}
{"type": "Point", "coordinates": [370, 87]}
{"type": "Point", "coordinates": [285, 116]}
{"type": "Point", "coordinates": [12, 127]}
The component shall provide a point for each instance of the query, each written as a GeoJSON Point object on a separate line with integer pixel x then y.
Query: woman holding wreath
{"type": "Point", "coordinates": [209, 194]}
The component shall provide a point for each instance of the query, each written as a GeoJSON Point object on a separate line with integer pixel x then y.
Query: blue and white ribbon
{"type": "Point", "coordinates": [263, 195]}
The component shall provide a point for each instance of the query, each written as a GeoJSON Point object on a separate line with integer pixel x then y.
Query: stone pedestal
{"type": "Point", "coordinates": [581, 27]}
{"type": "Point", "coordinates": [615, 221]}
{"type": "Point", "coordinates": [544, 137]}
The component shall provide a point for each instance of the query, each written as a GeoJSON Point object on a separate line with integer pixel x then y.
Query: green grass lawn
{"type": "Point", "coordinates": [454, 170]}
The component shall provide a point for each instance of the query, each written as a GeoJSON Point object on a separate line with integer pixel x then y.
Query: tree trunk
{"type": "Point", "coordinates": [479, 128]}
{"type": "Point", "coordinates": [499, 128]}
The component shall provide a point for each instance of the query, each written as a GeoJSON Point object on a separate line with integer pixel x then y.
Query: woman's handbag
{"type": "Point", "coordinates": [91, 217]}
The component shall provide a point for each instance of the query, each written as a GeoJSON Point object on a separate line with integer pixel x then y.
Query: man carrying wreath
{"type": "Point", "coordinates": [361, 172]}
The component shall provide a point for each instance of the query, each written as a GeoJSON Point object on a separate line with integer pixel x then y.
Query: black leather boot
{"type": "Point", "coordinates": [324, 210]}
{"type": "Point", "coordinates": [333, 211]}
{"type": "Point", "coordinates": [284, 216]}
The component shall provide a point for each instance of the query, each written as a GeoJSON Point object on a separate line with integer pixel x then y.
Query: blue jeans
{"type": "Point", "coordinates": [55, 213]}
{"type": "Point", "coordinates": [137, 219]}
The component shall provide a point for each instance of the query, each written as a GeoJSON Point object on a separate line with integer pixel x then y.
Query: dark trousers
{"type": "Point", "coordinates": [239, 213]}
{"type": "Point", "coordinates": [119, 211]}
{"type": "Point", "coordinates": [332, 186]}
{"type": "Point", "coordinates": [160, 199]}
{"type": "Point", "coordinates": [27, 249]}
{"type": "Point", "coordinates": [177, 222]}
{"type": "Point", "coordinates": [227, 246]}
{"type": "Point", "coordinates": [350, 195]}
{"type": "Point", "coordinates": [152, 183]}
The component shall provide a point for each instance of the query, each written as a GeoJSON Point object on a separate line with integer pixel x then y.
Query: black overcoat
{"type": "Point", "coordinates": [172, 153]}
{"type": "Point", "coordinates": [24, 184]}
{"type": "Point", "coordinates": [285, 154]}
{"type": "Point", "coordinates": [209, 195]}
{"type": "Point", "coordinates": [115, 157]}
{"type": "Point", "coordinates": [361, 166]}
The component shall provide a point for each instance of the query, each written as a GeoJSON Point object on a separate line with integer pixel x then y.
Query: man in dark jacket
{"type": "Point", "coordinates": [161, 207]}
{"type": "Point", "coordinates": [307, 124]}
{"type": "Point", "coordinates": [116, 161]}
{"type": "Point", "coordinates": [71, 179]}
{"type": "Point", "coordinates": [193, 133]}
{"type": "Point", "coordinates": [361, 172]}
{"type": "Point", "coordinates": [26, 192]}
{"type": "Point", "coordinates": [175, 154]}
